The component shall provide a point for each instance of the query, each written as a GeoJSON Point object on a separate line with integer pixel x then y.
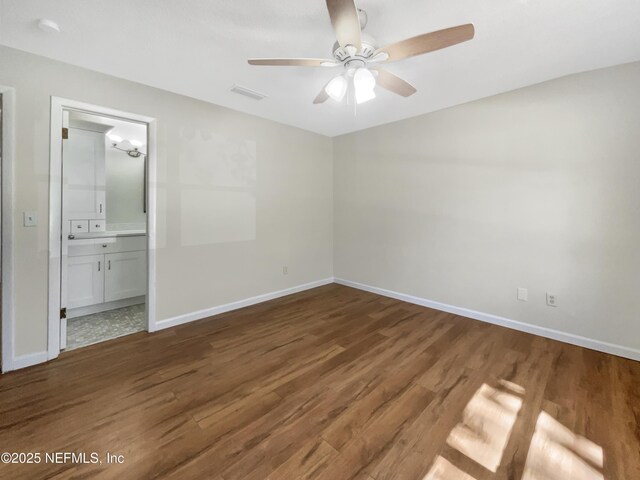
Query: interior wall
{"type": "Point", "coordinates": [236, 202]}
{"type": "Point", "coordinates": [536, 188]}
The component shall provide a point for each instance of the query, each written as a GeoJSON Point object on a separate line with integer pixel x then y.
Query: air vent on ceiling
{"type": "Point", "coordinates": [247, 92]}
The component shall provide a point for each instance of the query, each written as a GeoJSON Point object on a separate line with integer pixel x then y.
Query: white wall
{"type": "Point", "coordinates": [289, 194]}
{"type": "Point", "coordinates": [536, 188]}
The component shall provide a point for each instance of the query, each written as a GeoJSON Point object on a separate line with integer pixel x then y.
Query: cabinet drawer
{"type": "Point", "coordinates": [79, 226]}
{"type": "Point", "coordinates": [96, 246]}
{"type": "Point", "coordinates": [96, 226]}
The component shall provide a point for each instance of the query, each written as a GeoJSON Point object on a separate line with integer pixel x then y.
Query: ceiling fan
{"type": "Point", "coordinates": [361, 58]}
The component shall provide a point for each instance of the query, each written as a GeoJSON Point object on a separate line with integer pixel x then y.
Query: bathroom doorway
{"type": "Point", "coordinates": [102, 217]}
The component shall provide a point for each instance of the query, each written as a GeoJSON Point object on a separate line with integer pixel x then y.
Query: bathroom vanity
{"type": "Point", "coordinates": [106, 269]}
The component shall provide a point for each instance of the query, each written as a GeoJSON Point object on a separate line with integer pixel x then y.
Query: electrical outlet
{"type": "Point", "coordinates": [30, 219]}
{"type": "Point", "coordinates": [552, 299]}
{"type": "Point", "coordinates": [285, 270]}
{"type": "Point", "coordinates": [523, 294]}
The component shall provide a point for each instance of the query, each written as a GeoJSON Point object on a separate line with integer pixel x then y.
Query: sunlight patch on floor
{"type": "Point", "coordinates": [486, 424]}
{"type": "Point", "coordinates": [556, 453]}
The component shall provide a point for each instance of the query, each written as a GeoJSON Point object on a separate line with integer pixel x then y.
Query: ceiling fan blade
{"type": "Point", "coordinates": [428, 42]}
{"type": "Point", "coordinates": [394, 84]}
{"type": "Point", "coordinates": [294, 62]}
{"type": "Point", "coordinates": [323, 96]}
{"type": "Point", "coordinates": [346, 23]}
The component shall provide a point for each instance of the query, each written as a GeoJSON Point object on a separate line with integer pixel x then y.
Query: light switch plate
{"type": "Point", "coordinates": [30, 219]}
{"type": "Point", "coordinates": [523, 294]}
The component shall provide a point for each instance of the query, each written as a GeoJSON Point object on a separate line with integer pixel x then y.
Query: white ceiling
{"type": "Point", "coordinates": [199, 48]}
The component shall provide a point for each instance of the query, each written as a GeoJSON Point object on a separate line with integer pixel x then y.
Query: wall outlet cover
{"type": "Point", "coordinates": [523, 294]}
{"type": "Point", "coordinates": [552, 300]}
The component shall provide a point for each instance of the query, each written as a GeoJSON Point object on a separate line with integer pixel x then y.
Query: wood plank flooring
{"type": "Point", "coordinates": [332, 383]}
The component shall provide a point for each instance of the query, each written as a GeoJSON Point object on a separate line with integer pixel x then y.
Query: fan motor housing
{"type": "Point", "coordinates": [368, 49]}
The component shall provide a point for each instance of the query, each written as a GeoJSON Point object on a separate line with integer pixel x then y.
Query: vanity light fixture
{"type": "Point", "coordinates": [132, 152]}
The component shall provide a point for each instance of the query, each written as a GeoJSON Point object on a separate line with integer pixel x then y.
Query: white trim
{"type": "Point", "coordinates": [152, 158]}
{"type": "Point", "coordinates": [55, 226]}
{"type": "Point", "coordinates": [209, 312]}
{"type": "Point", "coordinates": [55, 210]}
{"type": "Point", "coordinates": [565, 337]}
{"type": "Point", "coordinates": [8, 176]}
{"type": "Point", "coordinates": [24, 361]}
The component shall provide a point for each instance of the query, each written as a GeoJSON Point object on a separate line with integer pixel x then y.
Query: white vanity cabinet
{"type": "Point", "coordinates": [84, 175]}
{"type": "Point", "coordinates": [85, 282]}
{"type": "Point", "coordinates": [125, 276]}
{"type": "Point", "coordinates": [105, 270]}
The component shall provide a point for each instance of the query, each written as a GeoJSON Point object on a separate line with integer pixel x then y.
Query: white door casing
{"type": "Point", "coordinates": [58, 228]}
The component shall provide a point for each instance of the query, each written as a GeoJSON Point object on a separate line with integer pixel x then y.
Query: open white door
{"type": "Point", "coordinates": [64, 244]}
{"type": "Point", "coordinates": [83, 204]}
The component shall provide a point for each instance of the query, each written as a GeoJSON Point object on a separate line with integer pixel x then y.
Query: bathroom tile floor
{"type": "Point", "coordinates": [98, 327]}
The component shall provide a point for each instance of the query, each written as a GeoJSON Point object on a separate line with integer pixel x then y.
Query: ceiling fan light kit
{"type": "Point", "coordinates": [364, 83]}
{"type": "Point", "coordinates": [337, 87]}
{"type": "Point", "coordinates": [358, 53]}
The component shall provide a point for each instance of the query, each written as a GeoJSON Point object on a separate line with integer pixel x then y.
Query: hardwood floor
{"type": "Point", "coordinates": [332, 383]}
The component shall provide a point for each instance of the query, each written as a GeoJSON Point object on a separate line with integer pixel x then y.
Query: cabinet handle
{"type": "Point", "coordinates": [109, 264]}
{"type": "Point", "coordinates": [104, 245]}
{"type": "Point", "coordinates": [98, 265]}
{"type": "Point", "coordinates": [100, 208]}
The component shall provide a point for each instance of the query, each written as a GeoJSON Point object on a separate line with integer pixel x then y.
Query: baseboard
{"type": "Point", "coordinates": [104, 307]}
{"type": "Point", "coordinates": [209, 312]}
{"type": "Point", "coordinates": [565, 337]}
{"type": "Point", "coordinates": [24, 361]}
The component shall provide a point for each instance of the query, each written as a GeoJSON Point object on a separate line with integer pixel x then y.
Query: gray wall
{"type": "Point", "coordinates": [277, 181]}
{"type": "Point", "coordinates": [536, 188]}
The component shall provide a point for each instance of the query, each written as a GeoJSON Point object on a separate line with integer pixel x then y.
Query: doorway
{"type": "Point", "coordinates": [102, 225]}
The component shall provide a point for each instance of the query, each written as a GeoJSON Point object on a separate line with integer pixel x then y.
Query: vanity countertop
{"type": "Point", "coordinates": [108, 234]}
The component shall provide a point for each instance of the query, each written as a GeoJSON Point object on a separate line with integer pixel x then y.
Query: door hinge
{"type": "Point", "coordinates": [65, 133]}
{"type": "Point", "coordinates": [63, 312]}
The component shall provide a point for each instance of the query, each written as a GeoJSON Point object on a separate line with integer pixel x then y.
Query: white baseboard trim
{"type": "Point", "coordinates": [209, 312]}
{"type": "Point", "coordinates": [565, 337]}
{"type": "Point", "coordinates": [28, 360]}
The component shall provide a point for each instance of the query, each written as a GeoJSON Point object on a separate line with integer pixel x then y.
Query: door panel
{"type": "Point", "coordinates": [85, 280]}
{"type": "Point", "coordinates": [125, 275]}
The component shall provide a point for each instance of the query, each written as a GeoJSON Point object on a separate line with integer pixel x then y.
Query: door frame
{"type": "Point", "coordinates": [8, 223]}
{"type": "Point", "coordinates": [58, 105]}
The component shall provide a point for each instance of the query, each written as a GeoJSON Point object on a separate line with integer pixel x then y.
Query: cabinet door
{"type": "Point", "coordinates": [126, 275]}
{"type": "Point", "coordinates": [83, 166]}
{"type": "Point", "coordinates": [85, 280]}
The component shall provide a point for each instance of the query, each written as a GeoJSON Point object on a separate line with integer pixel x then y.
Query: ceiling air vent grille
{"type": "Point", "coordinates": [247, 92]}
